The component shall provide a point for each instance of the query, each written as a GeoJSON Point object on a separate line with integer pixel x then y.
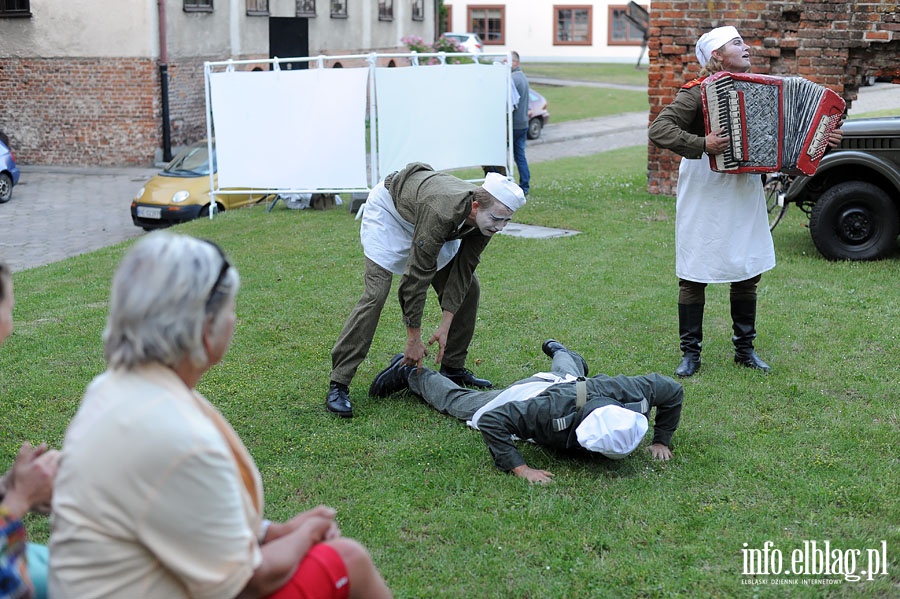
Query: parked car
{"type": "Point", "coordinates": [9, 172]}
{"type": "Point", "coordinates": [180, 192]}
{"type": "Point", "coordinates": [470, 42]}
{"type": "Point", "coordinates": [538, 115]}
{"type": "Point", "coordinates": [853, 199]}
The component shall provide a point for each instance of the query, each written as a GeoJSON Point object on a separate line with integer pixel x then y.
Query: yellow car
{"type": "Point", "coordinates": [180, 192]}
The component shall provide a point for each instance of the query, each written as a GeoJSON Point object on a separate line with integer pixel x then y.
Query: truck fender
{"type": "Point", "coordinates": [846, 157]}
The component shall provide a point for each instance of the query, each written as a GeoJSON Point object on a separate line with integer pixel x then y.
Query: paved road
{"type": "Point", "coordinates": [57, 212]}
{"type": "Point", "coordinates": [60, 212]}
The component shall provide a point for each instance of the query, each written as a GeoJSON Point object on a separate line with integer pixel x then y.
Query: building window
{"type": "Point", "coordinates": [488, 23]}
{"type": "Point", "coordinates": [258, 8]}
{"type": "Point", "coordinates": [15, 8]}
{"type": "Point", "coordinates": [198, 5]}
{"type": "Point", "coordinates": [306, 8]}
{"type": "Point", "coordinates": [418, 10]}
{"type": "Point", "coordinates": [448, 24]}
{"type": "Point", "coordinates": [385, 10]}
{"type": "Point", "coordinates": [339, 9]}
{"type": "Point", "coordinates": [623, 31]}
{"type": "Point", "coordinates": [572, 25]}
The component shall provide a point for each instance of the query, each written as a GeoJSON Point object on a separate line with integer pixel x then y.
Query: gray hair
{"type": "Point", "coordinates": [166, 289]}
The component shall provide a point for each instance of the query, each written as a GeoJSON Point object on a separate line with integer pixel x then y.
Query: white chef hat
{"type": "Point", "coordinates": [612, 430]}
{"type": "Point", "coordinates": [506, 192]}
{"type": "Point", "coordinates": [713, 40]}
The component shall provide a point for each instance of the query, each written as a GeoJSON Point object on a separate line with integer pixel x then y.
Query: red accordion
{"type": "Point", "coordinates": [775, 123]}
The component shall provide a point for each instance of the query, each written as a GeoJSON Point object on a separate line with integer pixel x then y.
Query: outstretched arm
{"type": "Point", "coordinates": [498, 428]}
{"type": "Point", "coordinates": [532, 474]}
{"type": "Point", "coordinates": [667, 398]}
{"type": "Point", "coordinates": [440, 335]}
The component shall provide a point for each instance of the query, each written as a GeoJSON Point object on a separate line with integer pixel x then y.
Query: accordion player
{"type": "Point", "coordinates": [775, 123]}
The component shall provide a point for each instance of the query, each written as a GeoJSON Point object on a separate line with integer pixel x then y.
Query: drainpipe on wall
{"type": "Point", "coordinates": [164, 82]}
{"type": "Point", "coordinates": [437, 19]}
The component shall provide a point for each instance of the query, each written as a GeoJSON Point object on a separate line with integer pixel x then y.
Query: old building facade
{"type": "Point", "coordinates": [550, 31]}
{"type": "Point", "coordinates": [108, 83]}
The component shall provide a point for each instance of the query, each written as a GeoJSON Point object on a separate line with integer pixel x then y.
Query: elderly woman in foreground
{"type": "Point", "coordinates": [156, 495]}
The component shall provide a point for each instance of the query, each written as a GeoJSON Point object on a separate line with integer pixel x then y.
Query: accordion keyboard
{"type": "Point", "coordinates": [727, 112]}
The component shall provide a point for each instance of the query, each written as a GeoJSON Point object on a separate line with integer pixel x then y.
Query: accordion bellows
{"type": "Point", "coordinates": [775, 123]}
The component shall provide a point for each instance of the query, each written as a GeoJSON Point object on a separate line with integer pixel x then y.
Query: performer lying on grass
{"type": "Point", "coordinates": [561, 408]}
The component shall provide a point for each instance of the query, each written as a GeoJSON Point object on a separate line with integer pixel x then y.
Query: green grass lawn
{"type": "Point", "coordinates": [620, 73]}
{"type": "Point", "coordinates": [574, 103]}
{"type": "Point", "coordinates": [807, 453]}
{"type": "Point", "coordinates": [581, 102]}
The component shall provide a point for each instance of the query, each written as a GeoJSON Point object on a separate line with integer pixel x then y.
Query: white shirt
{"type": "Point", "coordinates": [386, 237]}
{"type": "Point", "coordinates": [148, 501]}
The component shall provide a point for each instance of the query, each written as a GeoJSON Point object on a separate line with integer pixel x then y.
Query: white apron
{"type": "Point", "coordinates": [386, 237]}
{"type": "Point", "coordinates": [721, 225]}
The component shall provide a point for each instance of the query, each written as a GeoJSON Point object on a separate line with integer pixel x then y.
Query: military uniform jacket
{"type": "Point", "coordinates": [437, 204]}
{"type": "Point", "coordinates": [551, 417]}
{"type": "Point", "coordinates": [679, 126]}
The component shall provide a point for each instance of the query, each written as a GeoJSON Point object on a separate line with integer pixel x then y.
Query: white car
{"type": "Point", "coordinates": [470, 42]}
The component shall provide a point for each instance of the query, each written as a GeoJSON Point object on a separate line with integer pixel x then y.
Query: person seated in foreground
{"type": "Point", "coordinates": [561, 409]}
{"type": "Point", "coordinates": [156, 495]}
{"type": "Point", "coordinates": [26, 487]}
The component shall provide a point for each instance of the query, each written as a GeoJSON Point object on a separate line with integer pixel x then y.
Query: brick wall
{"type": "Point", "coordinates": [187, 101]}
{"type": "Point", "coordinates": [98, 112]}
{"type": "Point", "coordinates": [834, 43]}
{"type": "Point", "coordinates": [80, 111]}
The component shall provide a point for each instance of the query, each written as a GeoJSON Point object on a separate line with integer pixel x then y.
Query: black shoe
{"type": "Point", "coordinates": [551, 346]}
{"type": "Point", "coordinates": [465, 378]}
{"type": "Point", "coordinates": [751, 360]}
{"type": "Point", "coordinates": [337, 400]}
{"type": "Point", "coordinates": [689, 365]}
{"type": "Point", "coordinates": [393, 379]}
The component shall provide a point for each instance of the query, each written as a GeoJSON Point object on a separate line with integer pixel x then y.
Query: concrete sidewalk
{"type": "Point", "coordinates": [588, 136]}
{"type": "Point", "coordinates": [59, 212]}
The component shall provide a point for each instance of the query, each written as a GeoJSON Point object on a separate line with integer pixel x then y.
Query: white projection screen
{"type": "Point", "coordinates": [448, 116]}
{"type": "Point", "coordinates": [306, 130]}
{"type": "Point", "coordinates": [290, 130]}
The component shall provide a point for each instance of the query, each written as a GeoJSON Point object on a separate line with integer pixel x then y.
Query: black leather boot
{"type": "Point", "coordinates": [465, 377]}
{"type": "Point", "coordinates": [551, 346]}
{"type": "Point", "coordinates": [743, 316]}
{"type": "Point", "coordinates": [393, 379]}
{"type": "Point", "coordinates": [690, 331]}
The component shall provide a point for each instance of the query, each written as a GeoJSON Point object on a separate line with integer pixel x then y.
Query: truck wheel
{"type": "Point", "coordinates": [854, 221]}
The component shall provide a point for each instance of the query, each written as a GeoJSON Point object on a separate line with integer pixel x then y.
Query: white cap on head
{"type": "Point", "coordinates": [612, 430]}
{"type": "Point", "coordinates": [506, 192]}
{"type": "Point", "coordinates": [713, 40]}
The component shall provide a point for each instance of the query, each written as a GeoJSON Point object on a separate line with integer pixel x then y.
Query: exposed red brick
{"type": "Point", "coordinates": [98, 112]}
{"type": "Point", "coordinates": [832, 42]}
